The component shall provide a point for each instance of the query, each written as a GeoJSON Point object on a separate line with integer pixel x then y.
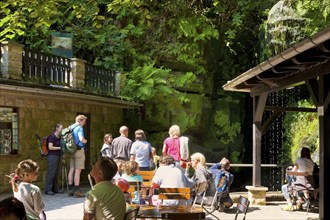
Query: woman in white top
{"type": "Point", "coordinates": [141, 151]}
{"type": "Point", "coordinates": [303, 164]}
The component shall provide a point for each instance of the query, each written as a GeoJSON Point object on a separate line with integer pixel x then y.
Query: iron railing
{"type": "Point", "coordinates": [100, 80]}
{"type": "Point", "coordinates": [46, 68]}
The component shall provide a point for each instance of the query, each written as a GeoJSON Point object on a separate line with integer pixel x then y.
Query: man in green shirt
{"type": "Point", "coordinates": [105, 200]}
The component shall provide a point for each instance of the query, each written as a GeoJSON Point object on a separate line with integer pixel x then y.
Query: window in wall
{"type": "Point", "coordinates": [8, 130]}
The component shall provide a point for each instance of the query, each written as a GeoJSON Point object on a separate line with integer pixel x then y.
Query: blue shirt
{"type": "Point", "coordinates": [78, 131]}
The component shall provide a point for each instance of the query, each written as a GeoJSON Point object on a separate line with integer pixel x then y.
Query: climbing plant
{"type": "Point", "coordinates": [301, 129]}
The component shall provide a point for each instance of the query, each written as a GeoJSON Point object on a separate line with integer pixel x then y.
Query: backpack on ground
{"type": "Point", "coordinates": [68, 142]}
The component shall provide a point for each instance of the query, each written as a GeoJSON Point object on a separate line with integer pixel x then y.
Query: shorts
{"type": "Point", "coordinates": [77, 159]}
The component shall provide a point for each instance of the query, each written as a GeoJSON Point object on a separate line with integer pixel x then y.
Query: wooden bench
{"type": "Point", "coordinates": [174, 193]}
{"type": "Point", "coordinates": [147, 175]}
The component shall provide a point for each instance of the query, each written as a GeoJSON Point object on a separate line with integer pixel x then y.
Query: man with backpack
{"type": "Point", "coordinates": [220, 170]}
{"type": "Point", "coordinates": [77, 160]}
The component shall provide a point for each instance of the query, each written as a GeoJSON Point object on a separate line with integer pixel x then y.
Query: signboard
{"type": "Point", "coordinates": [62, 44]}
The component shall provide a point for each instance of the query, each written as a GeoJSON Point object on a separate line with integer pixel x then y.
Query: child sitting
{"type": "Point", "coordinates": [131, 169]}
{"type": "Point", "coordinates": [26, 192]}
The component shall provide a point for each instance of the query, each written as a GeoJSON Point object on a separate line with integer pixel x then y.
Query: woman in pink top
{"type": "Point", "coordinates": [172, 146]}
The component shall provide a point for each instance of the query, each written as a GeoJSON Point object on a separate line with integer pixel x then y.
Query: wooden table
{"type": "Point", "coordinates": [155, 212]}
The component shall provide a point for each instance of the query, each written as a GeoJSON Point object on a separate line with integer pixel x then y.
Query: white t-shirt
{"type": "Point", "coordinates": [142, 151]}
{"type": "Point", "coordinates": [171, 177]}
{"type": "Point", "coordinates": [305, 165]}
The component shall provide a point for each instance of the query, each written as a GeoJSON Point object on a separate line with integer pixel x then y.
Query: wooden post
{"type": "Point", "coordinates": [324, 131]}
{"type": "Point", "coordinates": [259, 103]}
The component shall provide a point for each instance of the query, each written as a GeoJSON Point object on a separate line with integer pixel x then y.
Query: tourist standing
{"type": "Point", "coordinates": [176, 147]}
{"type": "Point", "coordinates": [141, 151]}
{"type": "Point", "coordinates": [106, 150]}
{"type": "Point", "coordinates": [77, 160]}
{"type": "Point", "coordinates": [54, 161]}
{"type": "Point", "coordinates": [122, 145]}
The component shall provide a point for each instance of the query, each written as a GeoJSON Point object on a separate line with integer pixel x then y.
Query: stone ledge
{"type": "Point", "coordinates": [256, 188]}
{"type": "Point", "coordinates": [257, 195]}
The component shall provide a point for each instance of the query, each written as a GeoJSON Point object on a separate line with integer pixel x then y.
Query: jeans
{"type": "Point", "coordinates": [52, 173]}
{"type": "Point", "coordinates": [285, 192]}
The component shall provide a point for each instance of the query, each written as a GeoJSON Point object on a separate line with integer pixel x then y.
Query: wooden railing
{"type": "Point", "coordinates": [100, 80]}
{"type": "Point", "coordinates": [46, 68]}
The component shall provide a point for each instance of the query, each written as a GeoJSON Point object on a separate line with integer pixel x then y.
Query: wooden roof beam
{"type": "Point", "coordinates": [312, 72]}
{"type": "Point", "coordinates": [289, 109]}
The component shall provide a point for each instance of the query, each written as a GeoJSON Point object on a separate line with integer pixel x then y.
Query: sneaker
{"type": "Point", "coordinates": [49, 193]}
{"type": "Point", "coordinates": [59, 192]}
{"type": "Point", "coordinates": [78, 194]}
{"type": "Point", "coordinates": [287, 208]}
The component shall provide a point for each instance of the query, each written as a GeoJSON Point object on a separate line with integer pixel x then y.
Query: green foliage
{"type": "Point", "coordinates": [143, 83]}
{"type": "Point", "coordinates": [28, 22]}
{"type": "Point", "coordinates": [301, 129]}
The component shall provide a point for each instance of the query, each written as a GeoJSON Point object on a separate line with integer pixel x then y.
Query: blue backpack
{"type": "Point", "coordinates": [221, 181]}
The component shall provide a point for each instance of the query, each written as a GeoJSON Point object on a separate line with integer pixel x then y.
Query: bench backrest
{"type": "Point", "coordinates": [147, 175]}
{"type": "Point", "coordinates": [174, 193]}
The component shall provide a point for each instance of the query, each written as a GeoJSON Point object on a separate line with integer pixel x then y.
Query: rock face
{"type": "Point", "coordinates": [285, 27]}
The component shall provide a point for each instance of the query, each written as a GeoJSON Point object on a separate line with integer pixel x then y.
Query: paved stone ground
{"type": "Point", "coordinates": [62, 207]}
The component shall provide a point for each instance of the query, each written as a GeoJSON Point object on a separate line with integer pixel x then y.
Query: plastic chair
{"type": "Point", "coordinates": [200, 190]}
{"type": "Point", "coordinates": [213, 204]}
{"type": "Point", "coordinates": [242, 206]}
{"type": "Point", "coordinates": [132, 213]}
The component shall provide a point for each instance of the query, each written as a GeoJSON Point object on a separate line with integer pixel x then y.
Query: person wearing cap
{"type": "Point", "coordinates": [77, 160]}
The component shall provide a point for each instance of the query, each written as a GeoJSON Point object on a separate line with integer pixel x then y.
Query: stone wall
{"type": "Point", "coordinates": [38, 113]}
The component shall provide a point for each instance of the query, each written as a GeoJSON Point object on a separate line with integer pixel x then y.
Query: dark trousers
{"type": "Point", "coordinates": [52, 173]}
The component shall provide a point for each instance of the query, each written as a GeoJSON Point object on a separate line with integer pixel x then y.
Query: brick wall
{"type": "Point", "coordinates": [37, 114]}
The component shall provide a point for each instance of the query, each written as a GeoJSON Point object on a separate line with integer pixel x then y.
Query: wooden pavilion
{"type": "Point", "coordinates": [308, 63]}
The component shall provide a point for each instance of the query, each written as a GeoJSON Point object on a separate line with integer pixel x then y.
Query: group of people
{"type": "Point", "coordinates": [120, 158]}
{"type": "Point", "coordinates": [77, 159]}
